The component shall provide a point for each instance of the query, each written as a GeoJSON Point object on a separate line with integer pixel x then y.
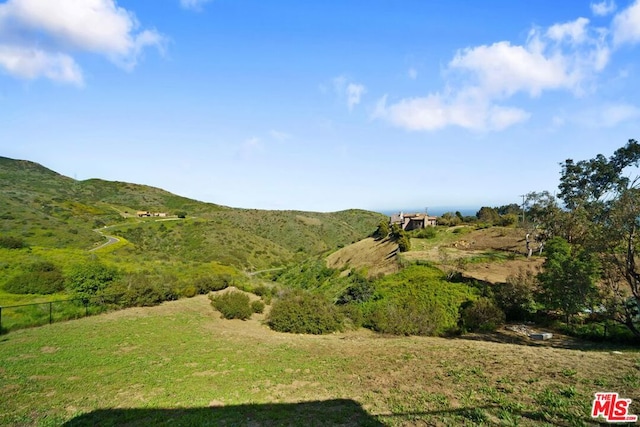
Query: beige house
{"type": "Point", "coordinates": [410, 222]}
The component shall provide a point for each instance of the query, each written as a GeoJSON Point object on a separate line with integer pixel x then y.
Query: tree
{"type": "Point", "coordinates": [568, 281]}
{"type": "Point", "coordinates": [487, 214]}
{"type": "Point", "coordinates": [382, 231]}
{"type": "Point", "coordinates": [603, 206]}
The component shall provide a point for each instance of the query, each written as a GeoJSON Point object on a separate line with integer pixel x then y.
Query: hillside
{"type": "Point", "coordinates": [376, 257]}
{"type": "Point", "coordinates": [181, 364]}
{"type": "Point", "coordinates": [47, 209]}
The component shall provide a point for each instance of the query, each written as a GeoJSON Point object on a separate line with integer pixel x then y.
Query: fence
{"type": "Point", "coordinates": [36, 314]}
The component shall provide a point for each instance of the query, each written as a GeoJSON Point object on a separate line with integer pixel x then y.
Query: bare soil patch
{"type": "Point", "coordinates": [503, 248]}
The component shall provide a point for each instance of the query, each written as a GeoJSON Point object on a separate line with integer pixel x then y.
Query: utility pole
{"type": "Point", "coordinates": [523, 196]}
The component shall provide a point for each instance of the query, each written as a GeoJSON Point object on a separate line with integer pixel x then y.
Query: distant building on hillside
{"type": "Point", "coordinates": [148, 214]}
{"type": "Point", "coordinates": [410, 222]}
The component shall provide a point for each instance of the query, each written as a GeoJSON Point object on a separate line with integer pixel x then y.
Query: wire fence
{"type": "Point", "coordinates": [36, 314]}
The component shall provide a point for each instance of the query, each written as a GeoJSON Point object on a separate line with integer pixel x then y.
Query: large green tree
{"type": "Point", "coordinates": [602, 201]}
{"type": "Point", "coordinates": [569, 278]}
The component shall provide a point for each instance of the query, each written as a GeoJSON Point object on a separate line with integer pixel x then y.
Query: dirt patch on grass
{"type": "Point", "coordinates": [490, 255]}
{"type": "Point", "coordinates": [498, 272]}
{"type": "Point", "coordinates": [378, 257]}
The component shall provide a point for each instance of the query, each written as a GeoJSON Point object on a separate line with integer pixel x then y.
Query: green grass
{"type": "Point", "coordinates": [180, 364]}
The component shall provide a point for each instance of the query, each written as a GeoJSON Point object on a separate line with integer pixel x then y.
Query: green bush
{"type": "Point", "coordinates": [481, 315]}
{"type": "Point", "coordinates": [88, 279]}
{"type": "Point", "coordinates": [301, 312]}
{"type": "Point", "coordinates": [361, 290]}
{"type": "Point", "coordinates": [516, 297]}
{"type": "Point", "coordinates": [409, 317]}
{"type": "Point", "coordinates": [416, 301]}
{"type": "Point", "coordinates": [232, 305]}
{"type": "Point", "coordinates": [353, 315]}
{"type": "Point", "coordinates": [257, 306]}
{"type": "Point", "coordinates": [383, 230]}
{"type": "Point", "coordinates": [189, 291]}
{"type": "Point", "coordinates": [42, 277]}
{"type": "Point", "coordinates": [139, 290]}
{"type": "Point", "coordinates": [11, 242]}
{"type": "Point", "coordinates": [425, 233]}
{"type": "Point", "coordinates": [213, 283]}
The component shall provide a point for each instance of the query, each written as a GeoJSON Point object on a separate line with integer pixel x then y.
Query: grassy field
{"type": "Point", "coordinates": [180, 364]}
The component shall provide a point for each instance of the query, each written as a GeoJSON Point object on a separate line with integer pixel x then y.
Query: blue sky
{"type": "Point", "coordinates": [326, 105]}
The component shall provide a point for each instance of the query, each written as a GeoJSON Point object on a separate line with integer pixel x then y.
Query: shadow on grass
{"type": "Point", "coordinates": [342, 412]}
{"type": "Point", "coordinates": [558, 341]}
{"type": "Point", "coordinates": [337, 412]}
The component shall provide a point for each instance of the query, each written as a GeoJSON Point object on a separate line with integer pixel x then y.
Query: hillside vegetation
{"type": "Point", "coordinates": [46, 209]}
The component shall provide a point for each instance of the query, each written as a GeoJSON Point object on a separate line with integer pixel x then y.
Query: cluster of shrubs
{"type": "Point", "coordinates": [40, 277]}
{"type": "Point", "coordinates": [11, 242]}
{"type": "Point", "coordinates": [236, 305]}
{"type": "Point", "coordinates": [301, 312]}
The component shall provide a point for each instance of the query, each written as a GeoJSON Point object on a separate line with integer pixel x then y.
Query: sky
{"type": "Point", "coordinates": [323, 105]}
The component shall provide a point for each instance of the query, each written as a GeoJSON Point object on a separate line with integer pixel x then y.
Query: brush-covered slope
{"type": "Point", "coordinates": [47, 209]}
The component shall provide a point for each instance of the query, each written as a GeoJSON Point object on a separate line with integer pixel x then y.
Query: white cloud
{"type": "Point", "coordinates": [480, 79]}
{"type": "Point", "coordinates": [603, 8]}
{"type": "Point", "coordinates": [33, 63]}
{"type": "Point", "coordinates": [434, 112]}
{"type": "Point", "coordinates": [251, 147]}
{"type": "Point", "coordinates": [351, 91]}
{"type": "Point", "coordinates": [626, 25]}
{"type": "Point", "coordinates": [69, 26]}
{"type": "Point", "coordinates": [575, 31]}
{"type": "Point", "coordinates": [612, 115]}
{"type": "Point", "coordinates": [279, 135]}
{"type": "Point", "coordinates": [412, 73]}
{"type": "Point", "coordinates": [193, 4]}
{"type": "Point", "coordinates": [354, 93]}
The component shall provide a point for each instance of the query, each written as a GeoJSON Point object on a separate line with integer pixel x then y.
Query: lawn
{"type": "Point", "coordinates": [180, 364]}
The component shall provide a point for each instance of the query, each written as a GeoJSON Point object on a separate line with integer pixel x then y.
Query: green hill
{"type": "Point", "coordinates": [49, 210]}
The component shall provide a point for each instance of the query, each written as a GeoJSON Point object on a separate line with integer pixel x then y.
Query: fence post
{"type": "Point", "coordinates": [50, 314]}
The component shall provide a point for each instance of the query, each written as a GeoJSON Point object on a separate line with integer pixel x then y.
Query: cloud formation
{"type": "Point", "coordinates": [626, 25]}
{"type": "Point", "coordinates": [39, 37]}
{"type": "Point", "coordinates": [193, 4]}
{"type": "Point", "coordinates": [352, 91]}
{"type": "Point", "coordinates": [603, 8]}
{"type": "Point", "coordinates": [480, 80]}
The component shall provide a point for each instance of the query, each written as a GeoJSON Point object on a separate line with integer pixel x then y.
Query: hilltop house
{"type": "Point", "coordinates": [149, 214]}
{"type": "Point", "coordinates": [410, 222]}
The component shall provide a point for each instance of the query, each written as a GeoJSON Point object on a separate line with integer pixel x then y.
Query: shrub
{"type": "Point", "coordinates": [257, 306]}
{"type": "Point", "coordinates": [189, 291]}
{"type": "Point", "coordinates": [481, 315]}
{"type": "Point", "coordinates": [426, 233]}
{"type": "Point", "coordinates": [11, 242]}
{"type": "Point", "coordinates": [361, 290]}
{"type": "Point", "coordinates": [87, 280]}
{"type": "Point", "coordinates": [301, 312]}
{"type": "Point", "coordinates": [382, 231]}
{"type": "Point", "coordinates": [214, 283]}
{"type": "Point", "coordinates": [232, 305]}
{"type": "Point", "coordinates": [139, 290]}
{"type": "Point", "coordinates": [353, 314]}
{"type": "Point", "coordinates": [416, 301]}
{"type": "Point", "coordinates": [409, 317]}
{"type": "Point", "coordinates": [516, 297]}
{"type": "Point", "coordinates": [42, 277]}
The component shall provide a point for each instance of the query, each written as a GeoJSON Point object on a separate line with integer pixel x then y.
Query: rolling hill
{"type": "Point", "coordinates": [50, 210]}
